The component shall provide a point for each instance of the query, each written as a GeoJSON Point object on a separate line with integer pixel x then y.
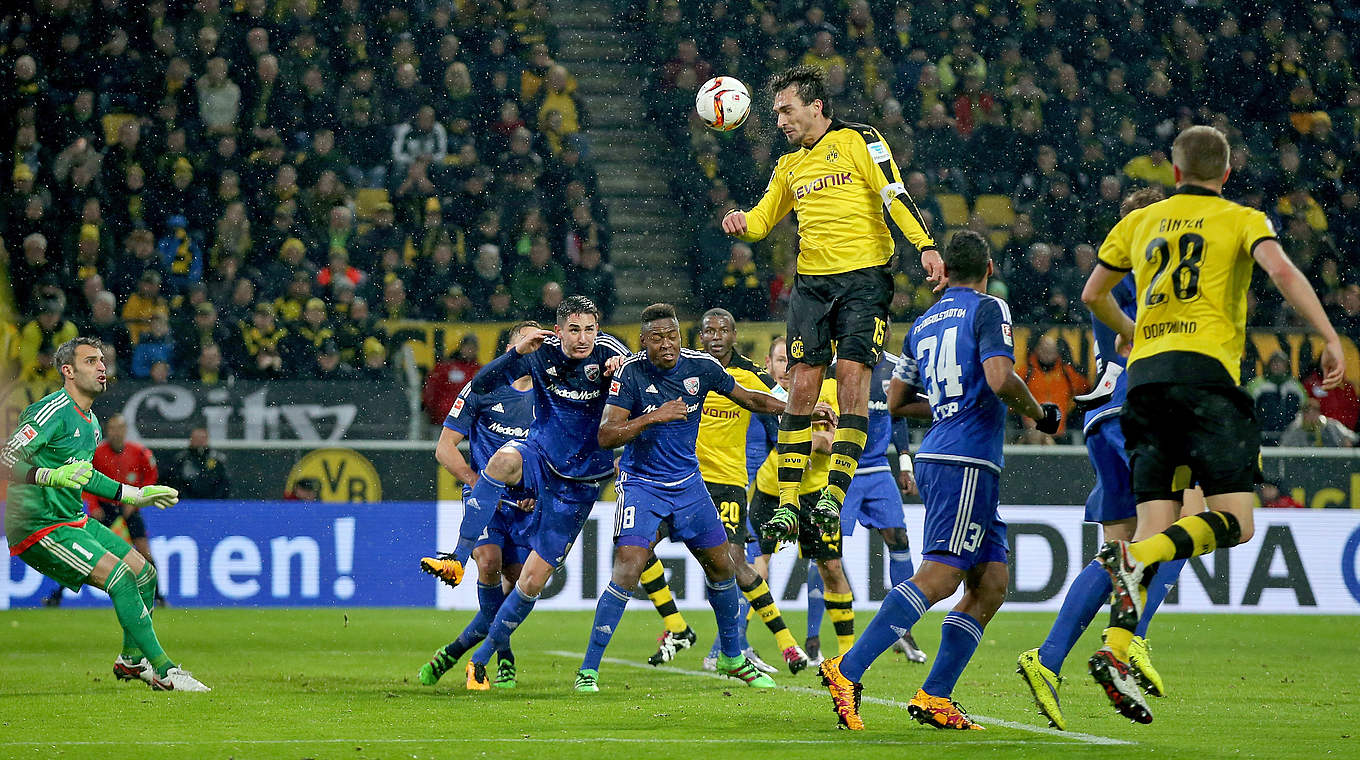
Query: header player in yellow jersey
{"type": "Point", "coordinates": [1191, 257]}
{"type": "Point", "coordinates": [839, 179]}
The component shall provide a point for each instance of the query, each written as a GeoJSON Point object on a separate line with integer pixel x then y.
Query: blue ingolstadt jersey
{"type": "Point", "coordinates": [943, 356]}
{"type": "Point", "coordinates": [665, 453]}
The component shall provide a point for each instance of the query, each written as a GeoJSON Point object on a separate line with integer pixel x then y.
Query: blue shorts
{"type": "Point", "coordinates": [1112, 497]}
{"type": "Point", "coordinates": [872, 501]}
{"type": "Point", "coordinates": [511, 528]}
{"type": "Point", "coordinates": [962, 527]}
{"type": "Point", "coordinates": [563, 504]}
{"type": "Point", "coordinates": [686, 508]}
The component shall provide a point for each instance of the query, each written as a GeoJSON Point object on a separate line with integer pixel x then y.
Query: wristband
{"type": "Point", "coordinates": [904, 463]}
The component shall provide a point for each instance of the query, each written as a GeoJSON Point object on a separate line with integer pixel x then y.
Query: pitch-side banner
{"type": "Point", "coordinates": [247, 553]}
{"type": "Point", "coordinates": [1300, 561]}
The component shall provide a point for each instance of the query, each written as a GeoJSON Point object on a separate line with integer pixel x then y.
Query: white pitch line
{"type": "Point", "coordinates": [500, 740]}
{"type": "Point", "coordinates": [1045, 730]}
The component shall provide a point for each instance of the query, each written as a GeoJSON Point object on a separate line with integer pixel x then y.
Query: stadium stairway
{"type": "Point", "coordinates": [648, 252]}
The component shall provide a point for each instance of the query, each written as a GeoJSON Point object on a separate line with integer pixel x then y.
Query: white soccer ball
{"type": "Point", "coordinates": [723, 103]}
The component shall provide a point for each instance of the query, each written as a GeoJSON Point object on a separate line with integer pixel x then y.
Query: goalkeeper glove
{"type": "Point", "coordinates": [1051, 419]}
{"type": "Point", "coordinates": [73, 475]}
{"type": "Point", "coordinates": [149, 496]}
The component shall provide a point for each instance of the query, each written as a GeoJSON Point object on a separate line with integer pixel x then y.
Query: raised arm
{"type": "Point", "coordinates": [875, 162]}
{"type": "Point", "coordinates": [755, 224]}
{"type": "Point", "coordinates": [509, 366]}
{"type": "Point", "coordinates": [450, 458]}
{"type": "Point", "coordinates": [1100, 300]}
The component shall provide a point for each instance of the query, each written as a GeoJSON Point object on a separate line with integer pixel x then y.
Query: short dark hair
{"type": "Point", "coordinates": [520, 325]}
{"type": "Point", "coordinates": [810, 82]}
{"type": "Point", "coordinates": [721, 314]}
{"type": "Point", "coordinates": [1143, 196]}
{"type": "Point", "coordinates": [657, 312]}
{"type": "Point", "coordinates": [576, 305]}
{"type": "Point", "coordinates": [66, 352]}
{"type": "Point", "coordinates": [966, 257]}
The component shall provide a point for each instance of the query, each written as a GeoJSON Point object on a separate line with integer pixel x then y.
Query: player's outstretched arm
{"type": "Point", "coordinates": [753, 225]}
{"type": "Point", "coordinates": [1100, 300]}
{"type": "Point", "coordinates": [906, 401]}
{"type": "Point", "coordinates": [450, 458]}
{"type": "Point", "coordinates": [1296, 290]}
{"type": "Point", "coordinates": [1008, 386]}
{"type": "Point", "coordinates": [618, 429]}
{"type": "Point", "coordinates": [759, 402]}
{"type": "Point", "coordinates": [509, 366]}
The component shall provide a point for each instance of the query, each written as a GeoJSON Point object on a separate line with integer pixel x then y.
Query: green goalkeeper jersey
{"type": "Point", "coordinates": [52, 432]}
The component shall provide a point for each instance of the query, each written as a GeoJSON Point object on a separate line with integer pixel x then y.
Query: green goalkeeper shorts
{"type": "Point", "coordinates": [68, 554]}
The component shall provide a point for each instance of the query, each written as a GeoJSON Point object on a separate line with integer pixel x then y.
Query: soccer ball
{"type": "Point", "coordinates": [723, 103]}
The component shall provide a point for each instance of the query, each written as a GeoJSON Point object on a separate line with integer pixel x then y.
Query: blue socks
{"type": "Point", "coordinates": [1166, 576]}
{"type": "Point", "coordinates": [816, 601]}
{"type": "Point", "coordinates": [608, 613]}
{"type": "Point", "coordinates": [900, 567]}
{"type": "Point", "coordinates": [1088, 593]}
{"type": "Point", "coordinates": [490, 597]}
{"type": "Point", "coordinates": [725, 599]}
{"type": "Point", "coordinates": [478, 509]}
{"type": "Point", "coordinates": [904, 606]}
{"type": "Point", "coordinates": [959, 638]}
{"type": "Point", "coordinates": [516, 608]}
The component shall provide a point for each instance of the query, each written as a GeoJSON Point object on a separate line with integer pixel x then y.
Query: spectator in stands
{"type": "Point", "coordinates": [304, 489]}
{"type": "Point", "coordinates": [260, 345]}
{"type": "Point", "coordinates": [198, 472]}
{"type": "Point", "coordinates": [202, 329]}
{"type": "Point", "coordinates": [526, 284]}
{"type": "Point", "coordinates": [1273, 496]}
{"type": "Point", "coordinates": [742, 292]}
{"type": "Point", "coordinates": [1340, 403]}
{"type": "Point", "coordinates": [35, 266]}
{"type": "Point", "coordinates": [424, 137]}
{"type": "Point", "coordinates": [1053, 380]}
{"type": "Point", "coordinates": [105, 325]}
{"type": "Point", "coordinates": [329, 367]}
{"type": "Point", "coordinates": [209, 369]}
{"type": "Point", "coordinates": [376, 367]}
{"type": "Point", "coordinates": [155, 344]}
{"type": "Point", "coordinates": [145, 303]}
{"type": "Point", "coordinates": [1278, 397]}
{"type": "Point", "coordinates": [1312, 428]}
{"type": "Point", "coordinates": [308, 334]}
{"type": "Point", "coordinates": [1032, 284]}
{"type": "Point", "coordinates": [593, 278]}
{"type": "Point", "coordinates": [39, 339]}
{"type": "Point", "coordinates": [219, 99]}
{"type": "Point", "coordinates": [447, 378]}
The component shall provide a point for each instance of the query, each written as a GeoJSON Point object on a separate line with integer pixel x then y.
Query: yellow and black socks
{"type": "Point", "coordinates": [840, 608]}
{"type": "Point", "coordinates": [851, 433]}
{"type": "Point", "coordinates": [794, 449]}
{"type": "Point", "coordinates": [1189, 537]}
{"type": "Point", "coordinates": [762, 604]}
{"type": "Point", "coordinates": [654, 583]}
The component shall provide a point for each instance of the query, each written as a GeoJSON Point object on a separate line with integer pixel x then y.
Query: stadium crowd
{"type": "Point", "coordinates": [247, 190]}
{"type": "Point", "coordinates": [1027, 122]}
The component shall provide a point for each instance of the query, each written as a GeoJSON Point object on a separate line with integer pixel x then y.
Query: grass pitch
{"type": "Point", "coordinates": [341, 683]}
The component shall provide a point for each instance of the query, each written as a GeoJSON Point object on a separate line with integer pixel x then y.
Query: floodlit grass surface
{"type": "Point", "coordinates": [341, 683]}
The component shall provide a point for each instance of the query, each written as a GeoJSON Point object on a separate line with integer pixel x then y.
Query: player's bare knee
{"type": "Point", "coordinates": [135, 561]}
{"type": "Point", "coordinates": [506, 465]}
{"type": "Point", "coordinates": [488, 559]}
{"type": "Point", "coordinates": [533, 578]}
{"type": "Point", "coordinates": [629, 562]}
{"type": "Point", "coordinates": [988, 588]}
{"type": "Point", "coordinates": [833, 576]}
{"type": "Point", "coordinates": [1119, 530]}
{"type": "Point", "coordinates": [717, 563]}
{"type": "Point", "coordinates": [937, 580]}
{"type": "Point", "coordinates": [103, 568]}
{"type": "Point", "coordinates": [510, 573]}
{"type": "Point", "coordinates": [745, 573]}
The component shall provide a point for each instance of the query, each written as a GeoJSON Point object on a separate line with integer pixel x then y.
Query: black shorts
{"type": "Point", "coordinates": [849, 309]}
{"type": "Point", "coordinates": [135, 525]}
{"type": "Point", "coordinates": [731, 503]}
{"type": "Point", "coordinates": [1209, 429]}
{"type": "Point", "coordinates": [812, 543]}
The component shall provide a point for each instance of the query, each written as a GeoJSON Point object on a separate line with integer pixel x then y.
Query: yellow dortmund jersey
{"type": "Point", "coordinates": [819, 466]}
{"type": "Point", "coordinates": [722, 429]}
{"type": "Point", "coordinates": [839, 188]}
{"type": "Point", "coordinates": [1191, 260]}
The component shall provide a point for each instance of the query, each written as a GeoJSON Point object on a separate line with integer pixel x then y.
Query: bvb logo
{"type": "Point", "coordinates": [345, 475]}
{"type": "Point", "coordinates": [796, 348]}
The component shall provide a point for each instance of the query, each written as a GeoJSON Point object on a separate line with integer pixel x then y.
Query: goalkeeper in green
{"type": "Point", "coordinates": [47, 461]}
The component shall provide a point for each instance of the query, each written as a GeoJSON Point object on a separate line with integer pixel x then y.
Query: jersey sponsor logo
{"type": "Point", "coordinates": [499, 407]}
{"type": "Point", "coordinates": [614, 387]}
{"type": "Point", "coordinates": [573, 395]}
{"type": "Point", "coordinates": [592, 372]}
{"type": "Point", "coordinates": [1173, 327]}
{"type": "Point", "coordinates": [691, 385]}
{"type": "Point", "coordinates": [821, 183]}
{"type": "Point", "coordinates": [878, 151]}
{"type": "Point", "coordinates": [651, 389]}
{"type": "Point", "coordinates": [507, 430]}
